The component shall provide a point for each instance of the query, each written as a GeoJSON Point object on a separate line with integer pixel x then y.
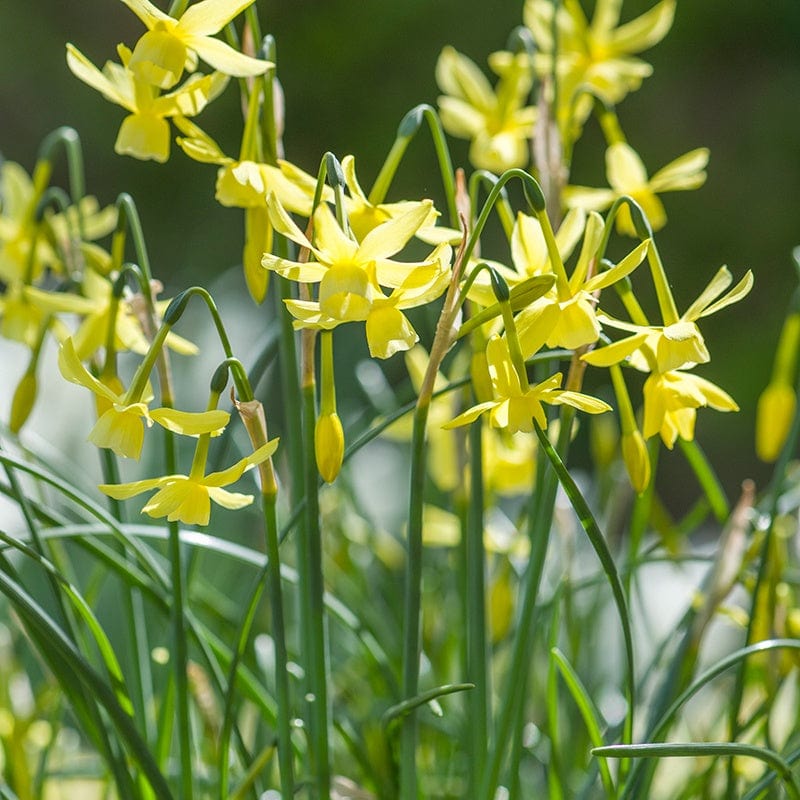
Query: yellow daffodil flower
{"type": "Point", "coordinates": [671, 400]}
{"type": "Point", "coordinates": [529, 253]}
{"type": "Point", "coordinates": [245, 183]}
{"type": "Point", "coordinates": [355, 296]}
{"type": "Point", "coordinates": [598, 55]}
{"type": "Point", "coordinates": [171, 44]}
{"type": "Point", "coordinates": [566, 317]}
{"type": "Point", "coordinates": [95, 307]}
{"type": "Point", "coordinates": [121, 427]}
{"type": "Point", "coordinates": [627, 175]}
{"type": "Point", "coordinates": [496, 121]}
{"type": "Point", "coordinates": [515, 408]}
{"type": "Point", "coordinates": [187, 498]}
{"type": "Point", "coordinates": [144, 132]}
{"type": "Point", "coordinates": [676, 346]}
{"type": "Point", "coordinates": [18, 227]}
{"type": "Point", "coordinates": [20, 319]}
{"type": "Point", "coordinates": [340, 263]}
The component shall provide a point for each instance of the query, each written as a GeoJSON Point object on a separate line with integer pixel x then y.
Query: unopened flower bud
{"type": "Point", "coordinates": [329, 446]}
{"type": "Point", "coordinates": [637, 460]}
{"type": "Point", "coordinates": [774, 415]}
{"type": "Point", "coordinates": [23, 400]}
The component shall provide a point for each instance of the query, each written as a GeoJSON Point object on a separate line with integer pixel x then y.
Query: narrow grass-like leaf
{"type": "Point", "coordinates": [400, 710]}
{"type": "Point", "coordinates": [707, 478]}
{"type": "Point", "coordinates": [756, 791]}
{"type": "Point", "coordinates": [84, 610]}
{"type": "Point", "coordinates": [705, 749]}
{"type": "Point", "coordinates": [93, 681]}
{"type": "Point", "coordinates": [609, 567]}
{"type": "Point", "coordinates": [588, 712]}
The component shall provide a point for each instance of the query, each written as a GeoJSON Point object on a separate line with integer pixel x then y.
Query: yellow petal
{"type": "Point", "coordinates": [124, 491]}
{"type": "Point", "coordinates": [685, 172]}
{"type": "Point", "coordinates": [226, 499]}
{"type": "Point", "coordinates": [121, 430]}
{"type": "Point", "coordinates": [147, 12]}
{"type": "Point", "coordinates": [624, 168]}
{"type": "Point", "coordinates": [190, 423]}
{"type": "Point", "coordinates": [143, 136]}
{"type": "Point", "coordinates": [233, 473]}
{"type": "Point", "coordinates": [158, 58]}
{"type": "Point", "coordinates": [389, 332]}
{"type": "Point", "coordinates": [82, 68]}
{"type": "Point", "coordinates": [71, 368]}
{"type": "Point", "coordinates": [181, 500]}
{"type": "Point", "coordinates": [224, 58]}
{"type": "Point", "coordinates": [615, 352]}
{"type": "Point", "coordinates": [470, 415]}
{"type": "Point", "coordinates": [619, 271]}
{"type": "Point", "coordinates": [210, 16]}
{"type": "Point", "coordinates": [390, 237]}
{"type": "Point", "coordinates": [644, 31]}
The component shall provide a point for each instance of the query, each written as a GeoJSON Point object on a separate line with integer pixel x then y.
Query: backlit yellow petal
{"type": "Point", "coordinates": [389, 332]}
{"type": "Point", "coordinates": [190, 423]}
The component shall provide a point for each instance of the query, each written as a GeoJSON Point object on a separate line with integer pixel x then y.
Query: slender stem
{"type": "Point", "coordinates": [477, 645]}
{"type": "Point", "coordinates": [285, 755]}
{"type": "Point", "coordinates": [312, 607]}
{"type": "Point", "coordinates": [181, 654]}
{"type": "Point", "coordinates": [412, 603]}
{"type": "Point", "coordinates": [408, 127]}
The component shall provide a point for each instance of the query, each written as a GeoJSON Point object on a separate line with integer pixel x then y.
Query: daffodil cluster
{"type": "Point", "coordinates": [145, 83]}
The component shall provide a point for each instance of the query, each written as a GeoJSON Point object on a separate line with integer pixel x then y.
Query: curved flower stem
{"type": "Point", "coordinates": [68, 137]}
{"type": "Point", "coordinates": [406, 131]}
{"type": "Point", "coordinates": [504, 212]}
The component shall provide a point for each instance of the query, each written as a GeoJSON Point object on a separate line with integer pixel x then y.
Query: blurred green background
{"type": "Point", "coordinates": [727, 77]}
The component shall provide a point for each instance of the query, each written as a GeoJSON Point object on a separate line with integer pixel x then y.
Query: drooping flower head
{"type": "Point", "coordinates": [497, 122]}
{"type": "Point", "coordinates": [170, 44]}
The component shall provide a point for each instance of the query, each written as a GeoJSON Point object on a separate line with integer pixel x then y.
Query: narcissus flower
{"type": "Point", "coordinates": [599, 55]}
{"type": "Point", "coordinates": [121, 426]}
{"type": "Point", "coordinates": [355, 296]}
{"type": "Point", "coordinates": [245, 183]}
{"type": "Point", "coordinates": [171, 44]}
{"type": "Point", "coordinates": [187, 498]}
{"type": "Point", "coordinates": [566, 317]}
{"type": "Point", "coordinates": [340, 259]}
{"type": "Point", "coordinates": [144, 132]}
{"type": "Point", "coordinates": [676, 346]}
{"type": "Point", "coordinates": [671, 400]}
{"type": "Point", "coordinates": [516, 407]}
{"type": "Point", "coordinates": [496, 121]}
{"type": "Point", "coordinates": [95, 306]}
{"type": "Point", "coordinates": [627, 175]}
{"type": "Point", "coordinates": [529, 253]}
{"type": "Point", "coordinates": [18, 227]}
